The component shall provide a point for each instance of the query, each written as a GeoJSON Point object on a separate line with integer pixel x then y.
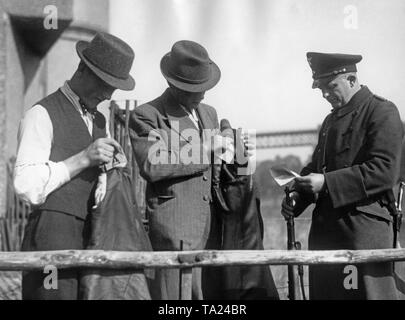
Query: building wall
{"type": "Point", "coordinates": [18, 97]}
{"type": "Point", "coordinates": [57, 66]}
{"type": "Point", "coordinates": [3, 114]}
{"type": "Point", "coordinates": [93, 14]}
{"type": "Point", "coordinates": [14, 88]}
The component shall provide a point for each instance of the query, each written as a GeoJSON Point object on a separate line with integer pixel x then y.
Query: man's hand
{"type": "Point", "coordinates": [100, 152]}
{"type": "Point", "coordinates": [312, 183]}
{"type": "Point", "coordinates": [222, 147]}
{"type": "Point", "coordinates": [287, 207]}
{"type": "Point", "coordinates": [249, 143]}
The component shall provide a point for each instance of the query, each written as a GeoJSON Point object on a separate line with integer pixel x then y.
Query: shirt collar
{"type": "Point", "coordinates": [172, 99]}
{"type": "Point", "coordinates": [74, 99]}
{"type": "Point", "coordinates": [354, 102]}
{"type": "Point", "coordinates": [192, 112]}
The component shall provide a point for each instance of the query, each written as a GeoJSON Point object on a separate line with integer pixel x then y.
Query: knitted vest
{"type": "Point", "coordinates": [70, 136]}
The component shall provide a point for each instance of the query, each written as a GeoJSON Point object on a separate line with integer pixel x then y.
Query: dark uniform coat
{"type": "Point", "coordinates": [359, 153]}
{"type": "Point", "coordinates": [178, 194]}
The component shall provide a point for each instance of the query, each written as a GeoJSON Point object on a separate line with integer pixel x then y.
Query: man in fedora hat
{"type": "Point", "coordinates": [350, 178]}
{"type": "Point", "coordinates": [178, 193]}
{"type": "Point", "coordinates": [61, 144]}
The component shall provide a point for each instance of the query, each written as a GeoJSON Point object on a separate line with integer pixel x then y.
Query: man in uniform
{"type": "Point", "coordinates": [62, 142]}
{"type": "Point", "coordinates": [350, 178]}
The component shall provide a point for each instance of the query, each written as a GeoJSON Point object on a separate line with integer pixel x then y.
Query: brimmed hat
{"type": "Point", "coordinates": [109, 58]}
{"type": "Point", "coordinates": [188, 67]}
{"type": "Point", "coordinates": [326, 66]}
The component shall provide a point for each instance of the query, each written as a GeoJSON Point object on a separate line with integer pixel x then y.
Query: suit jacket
{"type": "Point", "coordinates": [178, 193]}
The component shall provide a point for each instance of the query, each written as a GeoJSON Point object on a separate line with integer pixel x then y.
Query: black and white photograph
{"type": "Point", "coordinates": [222, 152]}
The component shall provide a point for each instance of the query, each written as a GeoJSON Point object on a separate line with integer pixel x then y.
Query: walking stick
{"type": "Point", "coordinates": [293, 245]}
{"type": "Point", "coordinates": [290, 246]}
{"type": "Point", "coordinates": [397, 221]}
{"type": "Point", "coordinates": [181, 274]}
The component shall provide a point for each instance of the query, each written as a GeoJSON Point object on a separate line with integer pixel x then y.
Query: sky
{"type": "Point", "coordinates": [260, 47]}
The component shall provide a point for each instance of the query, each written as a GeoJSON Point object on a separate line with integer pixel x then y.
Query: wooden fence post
{"type": "Point", "coordinates": [128, 146]}
{"type": "Point", "coordinates": [186, 275]}
{"type": "Point", "coordinates": [112, 118]}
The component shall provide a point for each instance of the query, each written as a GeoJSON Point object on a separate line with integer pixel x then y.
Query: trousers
{"type": "Point", "coordinates": [51, 230]}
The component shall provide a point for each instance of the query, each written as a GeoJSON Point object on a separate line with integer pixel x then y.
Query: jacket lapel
{"type": "Point", "coordinates": [205, 119]}
{"type": "Point", "coordinates": [176, 118]}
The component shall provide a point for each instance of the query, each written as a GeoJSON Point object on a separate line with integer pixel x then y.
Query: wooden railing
{"type": "Point", "coordinates": [186, 260]}
{"type": "Point", "coordinates": [120, 131]}
{"type": "Point", "coordinates": [13, 224]}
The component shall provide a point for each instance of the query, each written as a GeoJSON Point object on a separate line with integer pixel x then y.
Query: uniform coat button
{"type": "Point", "coordinates": [205, 178]}
{"type": "Point", "coordinates": [205, 198]}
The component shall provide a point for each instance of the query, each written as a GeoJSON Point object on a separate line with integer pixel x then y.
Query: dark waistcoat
{"type": "Point", "coordinates": [70, 136]}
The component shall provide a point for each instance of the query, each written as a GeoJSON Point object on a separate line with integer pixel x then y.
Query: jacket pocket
{"type": "Point", "coordinates": [163, 190]}
{"type": "Point", "coordinates": [376, 210]}
{"type": "Point", "coordinates": [345, 141]}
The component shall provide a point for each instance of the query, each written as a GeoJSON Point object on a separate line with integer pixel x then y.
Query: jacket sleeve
{"type": "Point", "coordinates": [379, 170]}
{"type": "Point", "coordinates": [155, 159]}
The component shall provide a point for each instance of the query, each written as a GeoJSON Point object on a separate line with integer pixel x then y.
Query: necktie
{"type": "Point", "coordinates": [87, 111]}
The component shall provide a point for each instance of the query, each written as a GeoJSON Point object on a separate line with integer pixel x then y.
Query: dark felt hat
{"type": "Point", "coordinates": [188, 67]}
{"type": "Point", "coordinates": [109, 58]}
{"type": "Point", "coordinates": [326, 66]}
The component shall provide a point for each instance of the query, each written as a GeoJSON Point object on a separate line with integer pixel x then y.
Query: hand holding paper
{"type": "Point", "coordinates": [312, 183]}
{"type": "Point", "coordinates": [283, 175]}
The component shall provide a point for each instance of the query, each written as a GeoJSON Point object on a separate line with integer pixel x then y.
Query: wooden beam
{"type": "Point", "coordinates": [10, 261]}
{"type": "Point", "coordinates": [186, 275]}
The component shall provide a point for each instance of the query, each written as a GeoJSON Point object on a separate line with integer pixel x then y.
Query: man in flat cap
{"type": "Point", "coordinates": [351, 177]}
{"type": "Point", "coordinates": [61, 144]}
{"type": "Point", "coordinates": [172, 128]}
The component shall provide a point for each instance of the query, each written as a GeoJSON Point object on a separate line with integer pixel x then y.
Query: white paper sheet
{"type": "Point", "coordinates": [283, 175]}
